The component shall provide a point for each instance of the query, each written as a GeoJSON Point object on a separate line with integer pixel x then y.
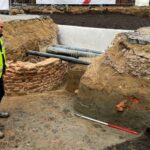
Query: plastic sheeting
{"type": "Point", "coordinates": [75, 1]}
{"type": "Point", "coordinates": [4, 4]}
{"type": "Point", "coordinates": [142, 2]}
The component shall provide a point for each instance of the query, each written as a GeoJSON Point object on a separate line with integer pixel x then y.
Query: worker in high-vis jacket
{"type": "Point", "coordinates": [2, 72]}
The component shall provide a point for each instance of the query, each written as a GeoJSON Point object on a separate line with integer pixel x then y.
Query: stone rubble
{"type": "Point", "coordinates": [132, 57]}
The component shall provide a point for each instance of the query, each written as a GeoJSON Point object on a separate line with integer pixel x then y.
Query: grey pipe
{"type": "Point", "coordinates": [59, 50]}
{"type": "Point", "coordinates": [66, 58]}
{"type": "Point", "coordinates": [77, 49]}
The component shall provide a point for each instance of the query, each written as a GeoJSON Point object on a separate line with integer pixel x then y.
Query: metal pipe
{"type": "Point", "coordinates": [66, 58]}
{"type": "Point", "coordinates": [77, 49]}
{"type": "Point", "coordinates": [59, 50]}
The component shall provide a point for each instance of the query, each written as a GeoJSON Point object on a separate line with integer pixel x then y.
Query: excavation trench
{"type": "Point", "coordinates": [111, 89]}
{"type": "Point", "coordinates": [113, 85]}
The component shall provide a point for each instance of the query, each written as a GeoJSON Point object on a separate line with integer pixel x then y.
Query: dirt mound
{"type": "Point", "coordinates": [128, 58]}
{"type": "Point", "coordinates": [23, 35]}
{"type": "Point", "coordinates": [116, 87]}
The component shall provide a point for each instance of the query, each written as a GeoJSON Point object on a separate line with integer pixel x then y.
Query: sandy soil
{"type": "Point", "coordinates": [46, 121]}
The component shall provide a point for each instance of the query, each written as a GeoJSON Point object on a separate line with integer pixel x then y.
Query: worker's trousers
{"type": "Point", "coordinates": [2, 91]}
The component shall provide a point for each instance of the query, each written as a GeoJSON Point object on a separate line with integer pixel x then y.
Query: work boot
{"type": "Point", "coordinates": [1, 135]}
{"type": "Point", "coordinates": [4, 114]}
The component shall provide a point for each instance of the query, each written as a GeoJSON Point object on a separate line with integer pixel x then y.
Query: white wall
{"type": "Point", "coordinates": [4, 4]}
{"type": "Point", "coordinates": [142, 2]}
{"type": "Point", "coordinates": [84, 37]}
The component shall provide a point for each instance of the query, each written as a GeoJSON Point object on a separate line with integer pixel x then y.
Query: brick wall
{"type": "Point", "coordinates": [26, 77]}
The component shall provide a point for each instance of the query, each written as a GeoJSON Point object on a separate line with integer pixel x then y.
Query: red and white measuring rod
{"type": "Point", "coordinates": [109, 125]}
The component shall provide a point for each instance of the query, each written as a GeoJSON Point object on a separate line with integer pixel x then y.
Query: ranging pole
{"type": "Point", "coordinates": [109, 125]}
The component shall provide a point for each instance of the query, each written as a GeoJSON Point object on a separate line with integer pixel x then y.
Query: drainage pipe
{"type": "Point", "coordinates": [66, 58]}
{"type": "Point", "coordinates": [74, 53]}
{"type": "Point", "coordinates": [77, 49]}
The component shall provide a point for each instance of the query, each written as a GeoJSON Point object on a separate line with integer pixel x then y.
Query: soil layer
{"type": "Point", "coordinates": [102, 20]}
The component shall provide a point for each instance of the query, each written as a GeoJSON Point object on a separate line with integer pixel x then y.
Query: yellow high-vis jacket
{"type": "Point", "coordinates": [2, 57]}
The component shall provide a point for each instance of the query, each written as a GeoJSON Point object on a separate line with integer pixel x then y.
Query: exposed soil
{"type": "Point", "coordinates": [102, 20]}
{"type": "Point", "coordinates": [31, 35]}
{"type": "Point", "coordinates": [116, 79]}
{"type": "Point", "coordinates": [140, 143]}
{"type": "Point", "coordinates": [47, 122]}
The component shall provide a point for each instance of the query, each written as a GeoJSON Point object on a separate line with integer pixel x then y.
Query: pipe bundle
{"type": "Point", "coordinates": [66, 53]}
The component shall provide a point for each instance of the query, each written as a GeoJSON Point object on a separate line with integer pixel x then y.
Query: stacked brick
{"type": "Point", "coordinates": [26, 77]}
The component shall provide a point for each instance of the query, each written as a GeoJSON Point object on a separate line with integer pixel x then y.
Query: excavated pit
{"type": "Point", "coordinates": [29, 74]}
{"type": "Point", "coordinates": [49, 117]}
